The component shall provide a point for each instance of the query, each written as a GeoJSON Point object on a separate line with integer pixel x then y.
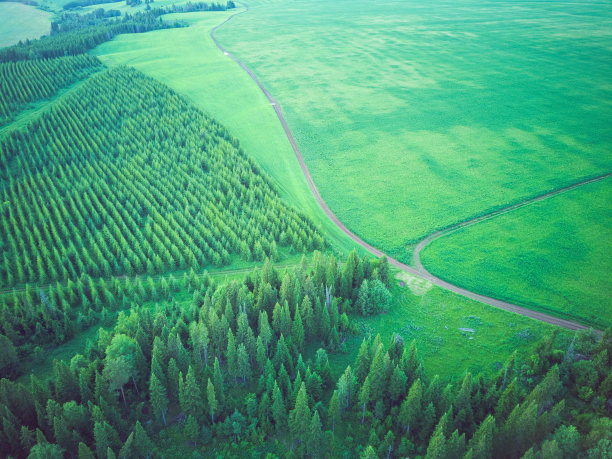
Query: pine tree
{"type": "Point", "coordinates": [191, 430]}
{"type": "Point", "coordinates": [243, 367]}
{"type": "Point", "coordinates": [159, 400]}
{"type": "Point", "coordinates": [455, 446]}
{"type": "Point", "coordinates": [279, 412]}
{"type": "Point", "coordinates": [482, 441]}
{"type": "Point", "coordinates": [333, 413]}
{"type": "Point", "coordinates": [437, 444]}
{"type": "Point", "coordinates": [190, 397]}
{"type": "Point", "coordinates": [364, 397]}
{"type": "Point", "coordinates": [105, 437]}
{"type": "Point", "coordinates": [84, 452]}
{"type": "Point", "coordinates": [212, 400]}
{"type": "Point", "coordinates": [127, 449]}
{"type": "Point", "coordinates": [369, 453]}
{"type": "Point", "coordinates": [265, 332]}
{"type": "Point", "coordinates": [377, 374]}
{"type": "Point", "coordinates": [299, 417]}
{"type": "Point", "coordinates": [362, 364]}
{"type": "Point", "coordinates": [315, 436]}
{"type": "Point", "coordinates": [260, 354]}
{"type": "Point", "coordinates": [231, 355]}
{"type": "Point", "coordinates": [297, 331]}
{"type": "Point", "coordinates": [386, 447]}
{"type": "Point", "coordinates": [397, 385]}
{"type": "Point", "coordinates": [218, 382]}
{"type": "Point", "coordinates": [142, 445]}
{"type": "Point", "coordinates": [411, 408]}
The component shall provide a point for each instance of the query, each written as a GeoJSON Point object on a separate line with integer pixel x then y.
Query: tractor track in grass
{"type": "Point", "coordinates": [419, 270]}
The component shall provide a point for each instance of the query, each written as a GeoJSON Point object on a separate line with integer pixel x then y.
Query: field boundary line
{"type": "Point", "coordinates": [421, 244]}
{"type": "Point", "coordinates": [423, 274]}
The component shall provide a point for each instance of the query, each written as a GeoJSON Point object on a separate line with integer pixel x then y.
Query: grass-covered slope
{"type": "Point", "coordinates": [22, 22]}
{"type": "Point", "coordinates": [187, 60]}
{"type": "Point", "coordinates": [125, 177]}
{"type": "Point", "coordinates": [24, 82]}
{"type": "Point", "coordinates": [560, 261]}
{"type": "Point", "coordinates": [412, 116]}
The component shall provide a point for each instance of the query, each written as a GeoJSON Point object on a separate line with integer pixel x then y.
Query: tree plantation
{"type": "Point", "coordinates": [144, 312]}
{"type": "Point", "coordinates": [134, 181]}
{"type": "Point", "coordinates": [23, 82]}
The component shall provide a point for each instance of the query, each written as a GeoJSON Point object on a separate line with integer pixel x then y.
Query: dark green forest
{"type": "Point", "coordinates": [117, 197]}
{"type": "Point", "coordinates": [243, 369]}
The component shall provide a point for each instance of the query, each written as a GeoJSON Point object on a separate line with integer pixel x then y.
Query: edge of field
{"type": "Point", "coordinates": [231, 98]}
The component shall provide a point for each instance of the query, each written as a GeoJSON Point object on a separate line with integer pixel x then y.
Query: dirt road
{"type": "Point", "coordinates": [420, 271]}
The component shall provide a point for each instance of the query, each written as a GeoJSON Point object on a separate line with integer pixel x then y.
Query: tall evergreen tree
{"type": "Point", "coordinates": [299, 417]}
{"type": "Point", "coordinates": [212, 400]}
{"type": "Point", "coordinates": [159, 400]}
{"type": "Point", "coordinates": [190, 396]}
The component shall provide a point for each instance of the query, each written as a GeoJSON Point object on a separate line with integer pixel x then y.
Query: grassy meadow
{"type": "Point", "coordinates": [561, 259]}
{"type": "Point", "coordinates": [187, 60]}
{"type": "Point", "coordinates": [21, 22]}
{"type": "Point", "coordinates": [434, 318]}
{"type": "Point", "coordinates": [412, 116]}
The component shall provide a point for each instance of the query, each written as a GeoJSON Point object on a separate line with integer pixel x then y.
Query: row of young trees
{"type": "Point", "coordinates": [230, 374]}
{"type": "Point", "coordinates": [23, 82]}
{"type": "Point", "coordinates": [134, 180]}
{"type": "Point", "coordinates": [80, 40]}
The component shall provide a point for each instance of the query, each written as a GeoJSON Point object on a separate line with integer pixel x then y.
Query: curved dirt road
{"type": "Point", "coordinates": [420, 272]}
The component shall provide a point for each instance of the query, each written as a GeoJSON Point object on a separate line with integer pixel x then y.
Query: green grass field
{"type": "Point", "coordinates": [433, 317]}
{"type": "Point", "coordinates": [412, 116]}
{"type": "Point", "coordinates": [20, 22]}
{"type": "Point", "coordinates": [561, 259]}
{"type": "Point", "coordinates": [187, 60]}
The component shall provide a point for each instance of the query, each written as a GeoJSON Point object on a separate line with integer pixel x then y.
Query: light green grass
{"type": "Point", "coordinates": [561, 266]}
{"type": "Point", "coordinates": [187, 60]}
{"type": "Point", "coordinates": [21, 22]}
{"type": "Point", "coordinates": [433, 317]}
{"type": "Point", "coordinates": [414, 115]}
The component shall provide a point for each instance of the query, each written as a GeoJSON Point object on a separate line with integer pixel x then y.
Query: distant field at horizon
{"type": "Point", "coordinates": [21, 22]}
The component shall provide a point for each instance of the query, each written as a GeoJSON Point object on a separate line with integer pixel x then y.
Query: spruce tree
{"type": "Point", "coordinates": [243, 368]}
{"type": "Point", "coordinates": [279, 412]}
{"type": "Point", "coordinates": [315, 436]}
{"type": "Point", "coordinates": [159, 400]}
{"type": "Point", "coordinates": [333, 412]}
{"type": "Point", "coordinates": [213, 405]}
{"type": "Point", "coordinates": [299, 417]}
{"type": "Point", "coordinates": [190, 396]}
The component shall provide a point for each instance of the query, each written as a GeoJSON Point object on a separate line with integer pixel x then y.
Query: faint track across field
{"type": "Point", "coordinates": [419, 271]}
